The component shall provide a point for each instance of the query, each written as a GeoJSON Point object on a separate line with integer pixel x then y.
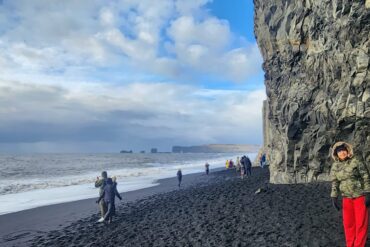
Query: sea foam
{"type": "Point", "coordinates": [17, 194]}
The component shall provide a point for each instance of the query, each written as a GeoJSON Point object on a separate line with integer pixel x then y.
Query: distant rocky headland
{"type": "Point", "coordinates": [217, 148]}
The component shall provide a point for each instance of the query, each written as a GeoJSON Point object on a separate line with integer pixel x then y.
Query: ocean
{"type": "Point", "coordinates": [34, 180]}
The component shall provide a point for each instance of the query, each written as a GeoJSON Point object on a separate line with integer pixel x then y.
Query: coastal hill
{"type": "Point", "coordinates": [316, 63]}
{"type": "Point", "coordinates": [217, 148]}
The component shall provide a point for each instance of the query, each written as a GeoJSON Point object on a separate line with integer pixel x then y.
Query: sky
{"type": "Point", "coordinates": [104, 76]}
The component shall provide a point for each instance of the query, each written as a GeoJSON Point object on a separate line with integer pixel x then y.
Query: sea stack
{"type": "Point", "coordinates": [316, 64]}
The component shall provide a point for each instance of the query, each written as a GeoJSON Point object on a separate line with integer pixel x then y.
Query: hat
{"type": "Point", "coordinates": [341, 148]}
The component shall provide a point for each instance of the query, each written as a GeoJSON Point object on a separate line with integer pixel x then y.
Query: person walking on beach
{"type": "Point", "coordinates": [227, 164]}
{"type": "Point", "coordinates": [242, 167]}
{"type": "Point", "coordinates": [231, 163]}
{"type": "Point", "coordinates": [238, 166]}
{"type": "Point", "coordinates": [116, 193]}
{"type": "Point", "coordinates": [350, 179]}
{"type": "Point", "coordinates": [207, 168]}
{"type": "Point", "coordinates": [248, 166]}
{"type": "Point", "coordinates": [179, 177]}
{"type": "Point", "coordinates": [263, 160]}
{"type": "Point", "coordinates": [100, 183]}
{"type": "Point", "coordinates": [109, 193]}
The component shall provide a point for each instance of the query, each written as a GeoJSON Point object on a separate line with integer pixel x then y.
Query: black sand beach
{"type": "Point", "coordinates": [16, 229]}
{"type": "Point", "coordinates": [218, 210]}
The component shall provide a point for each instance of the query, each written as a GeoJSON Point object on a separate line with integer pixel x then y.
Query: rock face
{"type": "Point", "coordinates": [316, 63]}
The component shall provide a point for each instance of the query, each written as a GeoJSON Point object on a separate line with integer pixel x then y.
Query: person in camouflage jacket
{"type": "Point", "coordinates": [350, 179]}
{"type": "Point", "coordinates": [100, 183]}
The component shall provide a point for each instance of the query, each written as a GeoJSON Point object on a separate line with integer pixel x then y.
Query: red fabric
{"type": "Point", "coordinates": [355, 221]}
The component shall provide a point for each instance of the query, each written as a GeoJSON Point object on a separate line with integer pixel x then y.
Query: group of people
{"type": "Point", "coordinates": [243, 166]}
{"type": "Point", "coordinates": [107, 193]}
{"type": "Point", "coordinates": [229, 164]}
{"type": "Point", "coordinates": [179, 174]}
{"type": "Point", "coordinates": [350, 179]}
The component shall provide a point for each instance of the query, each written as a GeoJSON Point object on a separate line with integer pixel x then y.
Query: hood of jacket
{"type": "Point", "coordinates": [348, 147]}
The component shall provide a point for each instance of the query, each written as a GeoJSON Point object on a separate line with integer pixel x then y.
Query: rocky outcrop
{"type": "Point", "coordinates": [316, 63]}
{"type": "Point", "coordinates": [217, 148]}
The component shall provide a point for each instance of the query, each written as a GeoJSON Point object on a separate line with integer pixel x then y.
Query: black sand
{"type": "Point", "coordinates": [16, 229]}
{"type": "Point", "coordinates": [221, 211]}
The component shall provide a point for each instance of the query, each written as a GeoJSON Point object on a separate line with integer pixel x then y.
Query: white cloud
{"type": "Point", "coordinates": [242, 62]}
{"type": "Point", "coordinates": [171, 38]}
{"type": "Point", "coordinates": [204, 46]}
{"type": "Point", "coordinates": [107, 18]}
{"type": "Point", "coordinates": [211, 32]}
{"type": "Point", "coordinates": [137, 50]}
{"type": "Point", "coordinates": [103, 113]}
{"type": "Point", "coordinates": [186, 7]}
{"type": "Point", "coordinates": [53, 55]}
{"type": "Point", "coordinates": [32, 58]}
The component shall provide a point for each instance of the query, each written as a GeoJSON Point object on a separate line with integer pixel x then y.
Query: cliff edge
{"type": "Point", "coordinates": [316, 63]}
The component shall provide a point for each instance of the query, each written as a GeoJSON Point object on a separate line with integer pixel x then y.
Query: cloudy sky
{"type": "Point", "coordinates": [101, 76]}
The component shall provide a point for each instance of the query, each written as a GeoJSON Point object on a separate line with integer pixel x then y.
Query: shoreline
{"type": "Point", "coordinates": [216, 210]}
{"type": "Point", "coordinates": [47, 188]}
{"type": "Point", "coordinates": [223, 211]}
{"type": "Point", "coordinates": [19, 227]}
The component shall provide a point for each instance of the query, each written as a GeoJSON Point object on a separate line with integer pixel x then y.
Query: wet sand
{"type": "Point", "coordinates": [219, 210]}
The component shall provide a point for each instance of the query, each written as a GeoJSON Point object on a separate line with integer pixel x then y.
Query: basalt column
{"type": "Point", "coordinates": [316, 64]}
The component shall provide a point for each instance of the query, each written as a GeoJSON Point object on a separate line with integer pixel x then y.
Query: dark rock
{"type": "Point", "coordinates": [260, 190]}
{"type": "Point", "coordinates": [316, 63]}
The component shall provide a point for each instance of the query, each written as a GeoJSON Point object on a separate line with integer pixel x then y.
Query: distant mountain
{"type": "Point", "coordinates": [218, 148]}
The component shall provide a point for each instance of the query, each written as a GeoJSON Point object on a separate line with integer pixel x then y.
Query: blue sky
{"type": "Point", "coordinates": [239, 14]}
{"type": "Point", "coordinates": [100, 76]}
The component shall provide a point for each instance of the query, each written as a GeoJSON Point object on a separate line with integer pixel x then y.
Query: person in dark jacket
{"type": "Point", "coordinates": [207, 168]}
{"type": "Point", "coordinates": [263, 160]}
{"type": "Point", "coordinates": [179, 177]}
{"type": "Point", "coordinates": [100, 183]}
{"type": "Point", "coordinates": [248, 165]}
{"type": "Point", "coordinates": [243, 168]}
{"type": "Point", "coordinates": [114, 179]}
{"type": "Point", "coordinates": [231, 163]}
{"type": "Point", "coordinates": [109, 193]}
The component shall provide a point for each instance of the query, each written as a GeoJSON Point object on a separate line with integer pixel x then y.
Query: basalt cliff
{"type": "Point", "coordinates": [316, 64]}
